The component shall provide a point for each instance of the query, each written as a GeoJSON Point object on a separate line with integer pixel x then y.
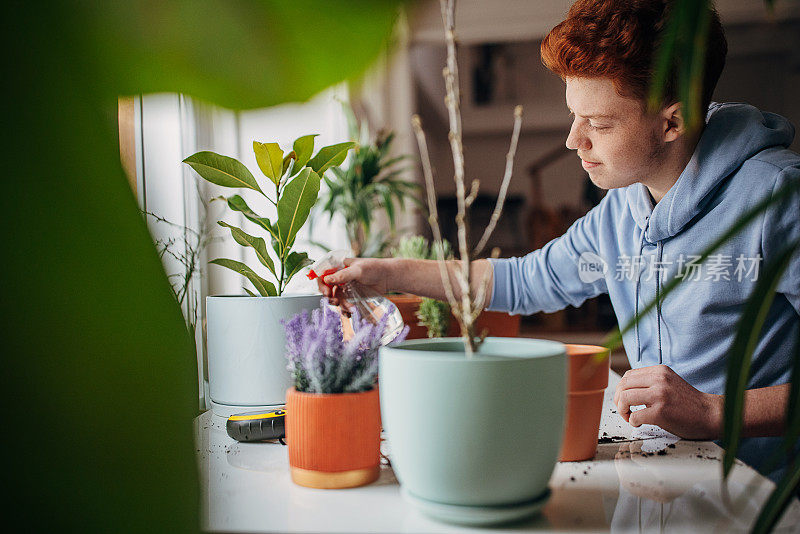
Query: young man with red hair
{"type": "Point", "coordinates": [670, 195]}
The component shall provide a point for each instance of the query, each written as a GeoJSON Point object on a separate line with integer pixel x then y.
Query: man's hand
{"type": "Point", "coordinates": [371, 272]}
{"type": "Point", "coordinates": [671, 403]}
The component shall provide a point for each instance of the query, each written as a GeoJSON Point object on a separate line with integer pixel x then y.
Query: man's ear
{"type": "Point", "coordinates": [672, 120]}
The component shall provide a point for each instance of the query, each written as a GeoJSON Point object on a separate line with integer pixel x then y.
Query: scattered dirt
{"type": "Point", "coordinates": [611, 439]}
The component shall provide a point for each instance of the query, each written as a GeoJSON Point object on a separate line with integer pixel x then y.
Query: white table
{"type": "Point", "coordinates": [628, 486]}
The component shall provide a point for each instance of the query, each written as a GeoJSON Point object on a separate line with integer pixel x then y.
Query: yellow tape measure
{"type": "Point", "coordinates": [257, 426]}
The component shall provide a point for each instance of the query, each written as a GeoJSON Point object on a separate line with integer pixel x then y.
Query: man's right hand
{"type": "Point", "coordinates": [418, 277]}
{"type": "Point", "coordinates": [371, 272]}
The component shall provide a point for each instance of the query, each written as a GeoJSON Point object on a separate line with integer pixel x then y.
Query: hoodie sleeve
{"type": "Point", "coordinates": [567, 270]}
{"type": "Point", "coordinates": [782, 227]}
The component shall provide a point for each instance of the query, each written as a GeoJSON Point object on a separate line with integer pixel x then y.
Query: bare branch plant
{"type": "Point", "coordinates": [469, 306]}
{"type": "Point", "coordinates": [187, 251]}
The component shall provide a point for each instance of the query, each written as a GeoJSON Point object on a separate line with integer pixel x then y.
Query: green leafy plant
{"type": "Point", "coordinates": [296, 178]}
{"type": "Point", "coordinates": [435, 316]}
{"type": "Point", "coordinates": [682, 51]}
{"type": "Point", "coordinates": [371, 183]}
{"type": "Point", "coordinates": [132, 342]}
{"type": "Point", "coordinates": [432, 314]}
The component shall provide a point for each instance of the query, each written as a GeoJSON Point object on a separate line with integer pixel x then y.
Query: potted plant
{"type": "Point", "coordinates": [245, 339]}
{"type": "Point", "coordinates": [426, 317]}
{"type": "Point", "coordinates": [333, 422]}
{"type": "Point", "coordinates": [475, 424]}
{"type": "Point", "coordinates": [370, 185]}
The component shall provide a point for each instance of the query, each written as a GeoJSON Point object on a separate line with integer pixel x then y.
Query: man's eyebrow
{"type": "Point", "coordinates": [595, 115]}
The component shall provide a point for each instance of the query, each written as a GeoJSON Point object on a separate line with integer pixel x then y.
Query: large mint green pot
{"type": "Point", "coordinates": [484, 431]}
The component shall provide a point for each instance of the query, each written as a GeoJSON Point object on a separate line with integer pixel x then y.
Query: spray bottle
{"type": "Point", "coordinates": [352, 295]}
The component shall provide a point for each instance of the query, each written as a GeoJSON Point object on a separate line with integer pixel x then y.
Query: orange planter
{"type": "Point", "coordinates": [498, 324]}
{"type": "Point", "coordinates": [408, 305]}
{"type": "Point", "coordinates": [333, 439]}
{"type": "Point", "coordinates": [588, 368]}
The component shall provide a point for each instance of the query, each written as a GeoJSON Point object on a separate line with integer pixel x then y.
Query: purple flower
{"type": "Point", "coordinates": [322, 362]}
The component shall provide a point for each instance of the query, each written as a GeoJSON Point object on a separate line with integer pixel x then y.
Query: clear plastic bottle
{"type": "Point", "coordinates": [352, 295]}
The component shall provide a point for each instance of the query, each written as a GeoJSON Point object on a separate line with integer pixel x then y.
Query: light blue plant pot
{"type": "Point", "coordinates": [474, 434]}
{"type": "Point", "coordinates": [247, 350]}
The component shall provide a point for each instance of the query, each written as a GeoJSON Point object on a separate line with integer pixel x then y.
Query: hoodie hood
{"type": "Point", "coordinates": [733, 134]}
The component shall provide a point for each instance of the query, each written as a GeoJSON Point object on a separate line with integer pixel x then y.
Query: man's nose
{"type": "Point", "coordinates": [576, 140]}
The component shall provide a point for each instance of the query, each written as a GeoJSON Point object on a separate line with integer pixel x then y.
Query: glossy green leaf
{"type": "Point", "coordinates": [257, 243]}
{"type": "Point", "coordinates": [744, 343]}
{"type": "Point", "coordinates": [240, 55]}
{"type": "Point", "coordinates": [222, 170]}
{"type": "Point", "coordinates": [237, 203]}
{"type": "Point", "coordinates": [278, 247]}
{"type": "Point", "coordinates": [692, 82]}
{"type": "Point", "coordinates": [294, 262]}
{"type": "Point", "coordinates": [269, 157]}
{"type": "Point", "coordinates": [264, 287]}
{"type": "Point", "coordinates": [681, 53]}
{"type": "Point", "coordinates": [303, 147]}
{"type": "Point", "coordinates": [295, 204]}
{"type": "Point", "coordinates": [778, 500]}
{"type": "Point", "coordinates": [330, 156]}
{"type": "Point", "coordinates": [287, 161]}
{"type": "Point", "coordinates": [249, 292]}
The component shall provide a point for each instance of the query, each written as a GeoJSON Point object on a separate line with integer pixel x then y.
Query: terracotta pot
{"type": "Point", "coordinates": [498, 324]}
{"type": "Point", "coordinates": [408, 305]}
{"type": "Point", "coordinates": [333, 439]}
{"type": "Point", "coordinates": [587, 367]}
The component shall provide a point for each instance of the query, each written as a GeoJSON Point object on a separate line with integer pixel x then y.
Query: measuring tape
{"type": "Point", "coordinates": [257, 426]}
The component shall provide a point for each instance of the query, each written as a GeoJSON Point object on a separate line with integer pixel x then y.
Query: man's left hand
{"type": "Point", "coordinates": [670, 403]}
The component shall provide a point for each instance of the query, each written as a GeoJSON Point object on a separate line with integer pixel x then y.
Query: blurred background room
{"type": "Point", "coordinates": [499, 68]}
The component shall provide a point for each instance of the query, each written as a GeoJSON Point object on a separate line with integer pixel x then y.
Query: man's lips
{"type": "Point", "coordinates": [589, 164]}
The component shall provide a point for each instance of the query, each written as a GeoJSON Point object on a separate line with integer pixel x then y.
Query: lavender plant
{"type": "Point", "coordinates": [321, 361]}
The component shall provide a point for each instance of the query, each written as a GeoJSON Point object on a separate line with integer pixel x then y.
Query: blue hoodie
{"type": "Point", "coordinates": [630, 249]}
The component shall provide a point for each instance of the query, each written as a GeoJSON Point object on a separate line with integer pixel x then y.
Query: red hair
{"type": "Point", "coordinates": [617, 39]}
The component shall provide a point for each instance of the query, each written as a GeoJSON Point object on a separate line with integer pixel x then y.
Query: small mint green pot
{"type": "Point", "coordinates": [484, 431]}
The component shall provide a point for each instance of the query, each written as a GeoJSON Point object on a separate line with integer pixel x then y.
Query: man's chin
{"type": "Point", "coordinates": [604, 182]}
{"type": "Point", "coordinates": [598, 180]}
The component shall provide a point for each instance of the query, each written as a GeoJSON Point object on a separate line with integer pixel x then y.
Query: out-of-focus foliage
{"type": "Point", "coordinates": [99, 375]}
